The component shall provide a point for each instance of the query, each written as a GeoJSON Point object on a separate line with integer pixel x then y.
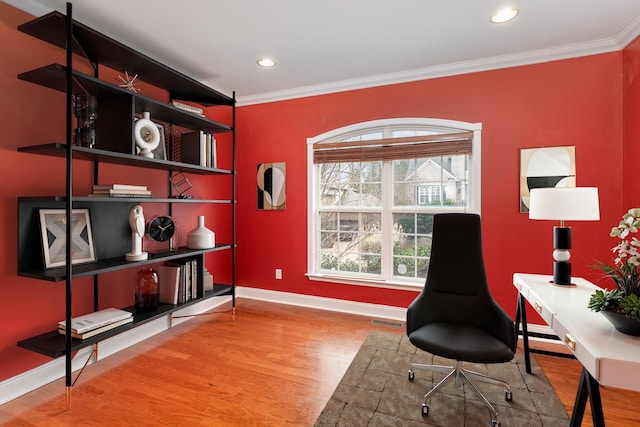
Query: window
{"type": "Point", "coordinates": [429, 194]}
{"type": "Point", "coordinates": [373, 190]}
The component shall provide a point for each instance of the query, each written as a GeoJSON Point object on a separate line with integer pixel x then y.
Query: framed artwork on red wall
{"type": "Point", "coordinates": [271, 179]}
{"type": "Point", "coordinates": [545, 167]}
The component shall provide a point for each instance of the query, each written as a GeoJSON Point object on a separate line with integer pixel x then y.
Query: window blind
{"type": "Point", "coordinates": [394, 148]}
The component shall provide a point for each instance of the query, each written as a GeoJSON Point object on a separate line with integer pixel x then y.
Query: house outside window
{"type": "Point", "coordinates": [373, 190]}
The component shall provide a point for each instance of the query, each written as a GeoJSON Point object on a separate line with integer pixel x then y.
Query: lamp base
{"type": "Point", "coordinates": [570, 285]}
{"type": "Point", "coordinates": [562, 273]}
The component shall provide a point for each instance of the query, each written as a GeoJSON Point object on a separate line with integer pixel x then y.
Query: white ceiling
{"type": "Point", "coordinates": [333, 45]}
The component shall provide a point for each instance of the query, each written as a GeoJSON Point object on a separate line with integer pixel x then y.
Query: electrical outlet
{"type": "Point", "coordinates": [278, 273]}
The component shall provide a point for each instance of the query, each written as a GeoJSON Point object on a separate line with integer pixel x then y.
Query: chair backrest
{"type": "Point", "coordinates": [456, 288]}
{"type": "Point", "coordinates": [456, 264]}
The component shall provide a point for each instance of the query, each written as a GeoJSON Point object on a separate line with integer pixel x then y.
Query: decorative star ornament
{"type": "Point", "coordinates": [129, 82]}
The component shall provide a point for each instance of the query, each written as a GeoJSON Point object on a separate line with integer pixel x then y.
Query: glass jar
{"type": "Point", "coordinates": [147, 292]}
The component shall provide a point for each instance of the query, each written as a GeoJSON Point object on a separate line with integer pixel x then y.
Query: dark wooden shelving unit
{"type": "Point", "coordinates": [102, 49]}
{"type": "Point", "coordinates": [54, 77]}
{"type": "Point", "coordinates": [118, 109]}
{"type": "Point", "coordinates": [114, 264]}
{"type": "Point", "coordinates": [52, 343]}
{"type": "Point", "coordinates": [56, 149]}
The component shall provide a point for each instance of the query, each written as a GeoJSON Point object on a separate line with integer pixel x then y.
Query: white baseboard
{"type": "Point", "coordinates": [374, 311]}
{"type": "Point", "coordinates": [51, 371]}
{"type": "Point", "coordinates": [28, 381]}
{"type": "Point", "coordinates": [322, 303]}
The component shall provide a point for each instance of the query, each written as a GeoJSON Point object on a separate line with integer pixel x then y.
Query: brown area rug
{"type": "Point", "coordinates": [375, 391]}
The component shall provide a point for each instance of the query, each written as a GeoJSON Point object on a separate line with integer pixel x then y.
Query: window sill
{"type": "Point", "coordinates": [372, 283]}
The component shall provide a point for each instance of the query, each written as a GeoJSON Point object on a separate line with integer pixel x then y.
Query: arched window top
{"type": "Point", "coordinates": [429, 125]}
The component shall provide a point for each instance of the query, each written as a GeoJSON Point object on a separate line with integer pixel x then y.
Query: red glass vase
{"type": "Point", "coordinates": [147, 293]}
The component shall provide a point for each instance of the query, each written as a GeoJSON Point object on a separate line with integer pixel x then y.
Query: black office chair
{"type": "Point", "coordinates": [455, 316]}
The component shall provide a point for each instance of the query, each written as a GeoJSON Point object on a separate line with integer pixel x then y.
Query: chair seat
{"type": "Point", "coordinates": [460, 342]}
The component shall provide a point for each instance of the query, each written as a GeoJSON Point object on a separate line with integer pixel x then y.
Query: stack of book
{"type": "Point", "coordinates": [96, 323]}
{"type": "Point", "coordinates": [120, 190]}
{"type": "Point", "coordinates": [198, 148]}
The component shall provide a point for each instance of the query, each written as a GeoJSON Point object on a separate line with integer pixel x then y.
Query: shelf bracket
{"type": "Point", "coordinates": [94, 355]}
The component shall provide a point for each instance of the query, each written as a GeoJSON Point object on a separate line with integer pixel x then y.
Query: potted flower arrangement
{"type": "Point", "coordinates": [621, 306]}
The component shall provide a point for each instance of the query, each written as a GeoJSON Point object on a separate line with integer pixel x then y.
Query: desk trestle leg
{"type": "Point", "coordinates": [588, 388]}
{"type": "Point", "coordinates": [522, 312]}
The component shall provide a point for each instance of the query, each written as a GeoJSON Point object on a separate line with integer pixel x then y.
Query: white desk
{"type": "Point", "coordinates": [610, 358]}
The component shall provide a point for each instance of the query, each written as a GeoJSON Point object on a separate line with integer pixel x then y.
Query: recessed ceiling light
{"type": "Point", "coordinates": [504, 15]}
{"type": "Point", "coordinates": [266, 62]}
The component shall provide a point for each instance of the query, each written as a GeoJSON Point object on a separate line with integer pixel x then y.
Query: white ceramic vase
{"type": "Point", "coordinates": [201, 237]}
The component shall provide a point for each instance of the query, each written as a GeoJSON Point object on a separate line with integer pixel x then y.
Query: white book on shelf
{"type": "Point", "coordinates": [203, 149]}
{"type": "Point", "coordinates": [97, 319]}
{"type": "Point", "coordinates": [119, 187]}
{"type": "Point", "coordinates": [97, 331]}
{"type": "Point", "coordinates": [112, 191]}
{"type": "Point", "coordinates": [207, 154]}
{"type": "Point", "coordinates": [188, 107]}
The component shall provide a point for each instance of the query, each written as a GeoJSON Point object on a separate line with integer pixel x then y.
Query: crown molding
{"type": "Point", "coordinates": [619, 42]}
{"type": "Point", "coordinates": [465, 67]}
{"type": "Point", "coordinates": [628, 33]}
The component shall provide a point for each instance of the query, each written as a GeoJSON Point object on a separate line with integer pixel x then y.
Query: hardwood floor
{"type": "Point", "coordinates": [269, 365]}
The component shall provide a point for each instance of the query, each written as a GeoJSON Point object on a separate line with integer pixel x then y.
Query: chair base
{"type": "Point", "coordinates": [459, 374]}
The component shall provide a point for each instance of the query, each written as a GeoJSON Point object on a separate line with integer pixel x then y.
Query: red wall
{"type": "Point", "coordinates": [574, 102]}
{"type": "Point", "coordinates": [631, 125]}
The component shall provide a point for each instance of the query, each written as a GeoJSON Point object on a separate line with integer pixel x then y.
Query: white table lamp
{"type": "Point", "coordinates": [563, 204]}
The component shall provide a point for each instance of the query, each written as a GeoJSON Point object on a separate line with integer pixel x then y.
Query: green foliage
{"type": "Point", "coordinates": [630, 306]}
{"type": "Point", "coordinates": [604, 300]}
{"type": "Point", "coordinates": [329, 262]}
{"type": "Point", "coordinates": [373, 264]}
{"type": "Point", "coordinates": [349, 265]}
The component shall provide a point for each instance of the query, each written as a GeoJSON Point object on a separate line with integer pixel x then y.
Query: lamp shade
{"type": "Point", "coordinates": [566, 203]}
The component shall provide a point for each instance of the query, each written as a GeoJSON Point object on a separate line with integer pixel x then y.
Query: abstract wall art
{"type": "Point", "coordinates": [271, 180]}
{"type": "Point", "coordinates": [545, 167]}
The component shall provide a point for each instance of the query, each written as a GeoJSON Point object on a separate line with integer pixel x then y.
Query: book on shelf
{"type": "Point", "coordinates": [198, 148]}
{"type": "Point", "coordinates": [119, 187]}
{"type": "Point", "coordinates": [188, 107]}
{"type": "Point", "coordinates": [188, 283]}
{"type": "Point", "coordinates": [97, 319]}
{"type": "Point", "coordinates": [148, 196]}
{"type": "Point", "coordinates": [109, 191]}
{"type": "Point", "coordinates": [190, 146]}
{"type": "Point", "coordinates": [214, 157]}
{"type": "Point", "coordinates": [169, 280]}
{"type": "Point", "coordinates": [97, 331]}
{"type": "Point", "coordinates": [120, 193]}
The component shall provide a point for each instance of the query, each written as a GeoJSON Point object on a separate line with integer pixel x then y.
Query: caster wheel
{"type": "Point", "coordinates": [495, 423]}
{"type": "Point", "coordinates": [412, 375]}
{"type": "Point", "coordinates": [425, 410]}
{"type": "Point", "coordinates": [508, 396]}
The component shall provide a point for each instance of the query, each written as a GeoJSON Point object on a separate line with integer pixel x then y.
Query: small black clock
{"type": "Point", "coordinates": [161, 228]}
